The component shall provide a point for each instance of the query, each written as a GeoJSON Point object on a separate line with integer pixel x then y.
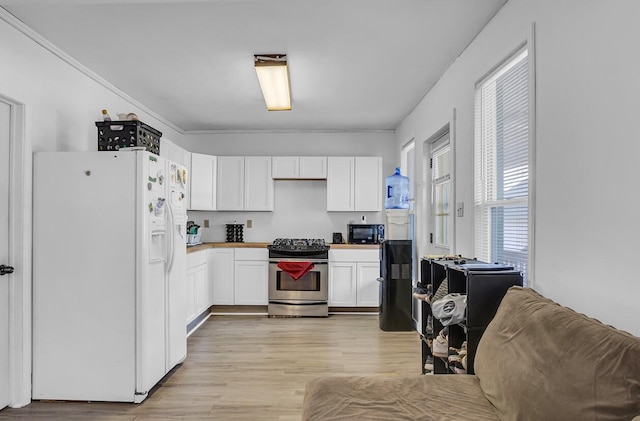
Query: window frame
{"type": "Point", "coordinates": [529, 200]}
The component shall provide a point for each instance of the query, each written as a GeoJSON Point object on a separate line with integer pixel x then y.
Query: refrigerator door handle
{"type": "Point", "coordinates": [171, 239]}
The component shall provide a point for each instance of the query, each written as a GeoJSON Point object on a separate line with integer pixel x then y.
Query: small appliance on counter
{"type": "Point", "coordinates": [337, 238]}
{"type": "Point", "coordinates": [365, 233]}
{"type": "Point", "coordinates": [235, 233]}
{"type": "Point", "coordinates": [193, 236]}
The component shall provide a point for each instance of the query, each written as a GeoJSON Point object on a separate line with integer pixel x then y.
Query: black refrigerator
{"type": "Point", "coordinates": [395, 285]}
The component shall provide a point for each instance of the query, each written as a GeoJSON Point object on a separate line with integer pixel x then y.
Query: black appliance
{"type": "Point", "coordinates": [395, 285]}
{"type": "Point", "coordinates": [337, 238]}
{"type": "Point", "coordinates": [365, 233]}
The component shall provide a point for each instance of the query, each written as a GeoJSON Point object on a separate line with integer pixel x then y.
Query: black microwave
{"type": "Point", "coordinates": [366, 233]}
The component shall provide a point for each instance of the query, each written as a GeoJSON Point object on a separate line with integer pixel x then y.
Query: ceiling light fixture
{"type": "Point", "coordinates": [273, 75]}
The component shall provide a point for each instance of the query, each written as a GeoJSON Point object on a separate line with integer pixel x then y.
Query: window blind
{"type": "Point", "coordinates": [502, 165]}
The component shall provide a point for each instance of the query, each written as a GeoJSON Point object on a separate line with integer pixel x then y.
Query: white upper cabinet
{"type": "Point", "coordinates": [245, 183]}
{"type": "Point", "coordinates": [354, 184]}
{"type": "Point", "coordinates": [313, 167]}
{"type": "Point", "coordinates": [340, 174]}
{"type": "Point", "coordinates": [173, 152]}
{"type": "Point", "coordinates": [285, 167]}
{"type": "Point", "coordinates": [230, 183]}
{"type": "Point", "coordinates": [203, 182]}
{"type": "Point", "coordinates": [258, 187]}
{"type": "Point", "coordinates": [303, 167]}
{"type": "Point", "coordinates": [368, 183]}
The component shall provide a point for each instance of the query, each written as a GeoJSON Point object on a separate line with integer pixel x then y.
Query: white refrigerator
{"type": "Point", "coordinates": [109, 268]}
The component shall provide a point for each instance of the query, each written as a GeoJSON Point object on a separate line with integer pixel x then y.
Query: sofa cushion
{"type": "Point", "coordinates": [454, 397]}
{"type": "Point", "coordinates": [538, 360]}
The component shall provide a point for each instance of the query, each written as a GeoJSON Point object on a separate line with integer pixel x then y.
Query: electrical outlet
{"type": "Point", "coordinates": [460, 209]}
{"type": "Point", "coordinates": [206, 223]}
{"type": "Point", "coordinates": [249, 223]}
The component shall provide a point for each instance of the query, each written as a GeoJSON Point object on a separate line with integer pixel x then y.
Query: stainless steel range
{"type": "Point", "coordinates": [298, 277]}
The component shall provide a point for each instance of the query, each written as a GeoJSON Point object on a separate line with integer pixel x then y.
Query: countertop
{"type": "Point", "coordinates": [205, 246]}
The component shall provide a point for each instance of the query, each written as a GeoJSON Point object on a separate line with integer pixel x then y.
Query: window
{"type": "Point", "coordinates": [502, 165]}
{"type": "Point", "coordinates": [441, 193]}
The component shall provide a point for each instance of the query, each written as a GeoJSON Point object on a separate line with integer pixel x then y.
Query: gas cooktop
{"type": "Point", "coordinates": [298, 244]}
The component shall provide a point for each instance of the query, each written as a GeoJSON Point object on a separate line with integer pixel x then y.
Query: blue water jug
{"type": "Point", "coordinates": [397, 191]}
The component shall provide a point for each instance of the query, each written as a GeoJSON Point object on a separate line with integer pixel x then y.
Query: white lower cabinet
{"type": "Point", "coordinates": [353, 278]}
{"type": "Point", "coordinates": [191, 302]}
{"type": "Point", "coordinates": [239, 276]}
{"type": "Point", "coordinates": [221, 278]}
{"type": "Point", "coordinates": [251, 283]}
{"type": "Point", "coordinates": [197, 284]}
{"type": "Point", "coordinates": [201, 289]}
{"type": "Point", "coordinates": [368, 285]}
{"type": "Point", "coordinates": [342, 284]}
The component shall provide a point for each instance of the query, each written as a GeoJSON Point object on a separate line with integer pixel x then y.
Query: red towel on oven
{"type": "Point", "coordinates": [296, 269]}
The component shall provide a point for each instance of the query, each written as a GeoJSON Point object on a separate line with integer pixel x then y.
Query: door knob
{"type": "Point", "coordinates": [5, 270]}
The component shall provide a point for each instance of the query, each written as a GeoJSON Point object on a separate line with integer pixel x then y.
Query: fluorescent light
{"type": "Point", "coordinates": [273, 76]}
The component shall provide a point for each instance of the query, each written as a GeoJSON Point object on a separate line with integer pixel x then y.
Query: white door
{"type": "Point", "coordinates": [5, 114]}
{"type": "Point", "coordinates": [441, 196]}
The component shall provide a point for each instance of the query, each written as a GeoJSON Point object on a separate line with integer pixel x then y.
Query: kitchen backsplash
{"type": "Point", "coordinates": [300, 212]}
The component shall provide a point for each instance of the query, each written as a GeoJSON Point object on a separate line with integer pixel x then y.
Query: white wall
{"type": "Point", "coordinates": [300, 206]}
{"type": "Point", "coordinates": [587, 233]}
{"type": "Point", "coordinates": [61, 105]}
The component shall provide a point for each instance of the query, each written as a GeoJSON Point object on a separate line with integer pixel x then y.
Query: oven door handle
{"type": "Point", "coordinates": [298, 302]}
{"type": "Point", "coordinates": [315, 262]}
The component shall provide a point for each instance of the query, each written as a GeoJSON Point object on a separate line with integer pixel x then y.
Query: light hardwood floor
{"type": "Point", "coordinates": [253, 368]}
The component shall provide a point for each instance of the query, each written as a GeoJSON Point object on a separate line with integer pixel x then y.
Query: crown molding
{"type": "Point", "coordinates": [254, 131]}
{"type": "Point", "coordinates": [6, 16]}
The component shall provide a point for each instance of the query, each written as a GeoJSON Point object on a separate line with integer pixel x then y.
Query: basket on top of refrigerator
{"type": "Point", "coordinates": [116, 135]}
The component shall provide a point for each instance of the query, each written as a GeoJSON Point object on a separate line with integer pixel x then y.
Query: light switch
{"type": "Point", "coordinates": [460, 209]}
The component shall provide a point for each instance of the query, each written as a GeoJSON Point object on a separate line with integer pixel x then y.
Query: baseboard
{"type": "Point", "coordinates": [356, 310]}
{"type": "Point", "coordinates": [218, 310]}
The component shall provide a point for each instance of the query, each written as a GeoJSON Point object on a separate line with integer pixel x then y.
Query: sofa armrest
{"type": "Point", "coordinates": [538, 360]}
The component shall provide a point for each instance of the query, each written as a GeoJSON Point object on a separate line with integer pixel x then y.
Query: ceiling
{"type": "Point", "coordinates": [354, 64]}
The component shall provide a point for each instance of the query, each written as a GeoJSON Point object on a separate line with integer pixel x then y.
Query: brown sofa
{"type": "Point", "coordinates": [537, 360]}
